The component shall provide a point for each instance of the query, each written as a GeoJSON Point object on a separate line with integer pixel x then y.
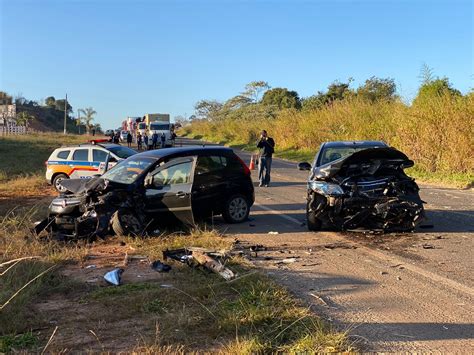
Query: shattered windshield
{"type": "Point", "coordinates": [331, 154]}
{"type": "Point", "coordinates": [128, 171]}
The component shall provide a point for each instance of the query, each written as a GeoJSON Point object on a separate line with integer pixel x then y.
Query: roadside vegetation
{"type": "Point", "coordinates": [51, 300]}
{"type": "Point", "coordinates": [435, 130]}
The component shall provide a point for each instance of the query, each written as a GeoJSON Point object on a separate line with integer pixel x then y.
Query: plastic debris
{"type": "Point", "coordinates": [91, 266]}
{"type": "Point", "coordinates": [273, 232]}
{"type": "Point", "coordinates": [160, 267]}
{"type": "Point", "coordinates": [114, 277]}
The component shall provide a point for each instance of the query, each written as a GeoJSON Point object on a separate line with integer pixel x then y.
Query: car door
{"type": "Point", "coordinates": [81, 165]}
{"type": "Point", "coordinates": [210, 183]}
{"type": "Point", "coordinates": [168, 190]}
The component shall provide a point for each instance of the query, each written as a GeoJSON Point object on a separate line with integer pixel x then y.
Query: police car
{"type": "Point", "coordinates": [83, 161]}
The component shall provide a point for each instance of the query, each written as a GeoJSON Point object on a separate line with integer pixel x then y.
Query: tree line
{"type": "Point", "coordinates": [259, 100]}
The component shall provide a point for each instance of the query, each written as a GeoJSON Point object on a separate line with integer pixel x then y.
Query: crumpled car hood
{"type": "Point", "coordinates": [80, 186]}
{"type": "Point", "coordinates": [367, 161]}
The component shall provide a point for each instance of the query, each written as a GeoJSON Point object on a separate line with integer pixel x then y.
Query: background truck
{"type": "Point", "coordinates": [158, 123]}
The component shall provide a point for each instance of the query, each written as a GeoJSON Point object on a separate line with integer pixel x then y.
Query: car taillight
{"type": "Point", "coordinates": [246, 168]}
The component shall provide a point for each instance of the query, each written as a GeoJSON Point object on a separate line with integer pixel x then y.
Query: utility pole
{"type": "Point", "coordinates": [65, 114]}
{"type": "Point", "coordinates": [79, 120]}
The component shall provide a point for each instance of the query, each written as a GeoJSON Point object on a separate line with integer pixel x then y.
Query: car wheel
{"type": "Point", "coordinates": [57, 182]}
{"type": "Point", "coordinates": [314, 223]}
{"type": "Point", "coordinates": [126, 223]}
{"type": "Point", "coordinates": [236, 209]}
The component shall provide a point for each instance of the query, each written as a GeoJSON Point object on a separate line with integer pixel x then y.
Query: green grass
{"type": "Point", "coordinates": [14, 343]}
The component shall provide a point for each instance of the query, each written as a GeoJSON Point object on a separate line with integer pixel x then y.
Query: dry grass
{"type": "Point", "coordinates": [196, 311]}
{"type": "Point", "coordinates": [437, 134]}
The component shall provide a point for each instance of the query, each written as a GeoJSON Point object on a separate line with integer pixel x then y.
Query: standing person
{"type": "Point", "coordinates": [129, 139]}
{"type": "Point", "coordinates": [112, 135]}
{"type": "Point", "coordinates": [139, 141]}
{"type": "Point", "coordinates": [154, 140]}
{"type": "Point", "coordinates": [145, 141]}
{"type": "Point", "coordinates": [117, 138]}
{"type": "Point", "coordinates": [267, 148]}
{"type": "Point", "coordinates": [163, 140]}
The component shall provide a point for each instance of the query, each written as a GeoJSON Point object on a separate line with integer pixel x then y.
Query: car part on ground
{"type": "Point", "coordinates": [367, 189]}
{"type": "Point", "coordinates": [211, 260]}
{"type": "Point", "coordinates": [114, 277]}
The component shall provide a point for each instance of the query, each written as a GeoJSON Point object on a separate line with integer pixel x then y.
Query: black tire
{"type": "Point", "coordinates": [314, 223]}
{"type": "Point", "coordinates": [57, 179]}
{"type": "Point", "coordinates": [236, 209]}
{"type": "Point", "coordinates": [125, 223]}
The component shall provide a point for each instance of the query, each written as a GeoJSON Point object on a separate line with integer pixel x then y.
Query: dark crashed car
{"type": "Point", "coordinates": [164, 186]}
{"type": "Point", "coordinates": [361, 186]}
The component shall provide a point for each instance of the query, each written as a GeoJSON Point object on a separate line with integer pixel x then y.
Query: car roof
{"type": "Point", "coordinates": [83, 145]}
{"type": "Point", "coordinates": [354, 144]}
{"type": "Point", "coordinates": [183, 151]}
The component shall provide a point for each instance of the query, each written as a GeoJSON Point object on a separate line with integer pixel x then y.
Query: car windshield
{"type": "Point", "coordinates": [331, 154]}
{"type": "Point", "coordinates": [159, 127]}
{"type": "Point", "coordinates": [122, 152]}
{"type": "Point", "coordinates": [128, 171]}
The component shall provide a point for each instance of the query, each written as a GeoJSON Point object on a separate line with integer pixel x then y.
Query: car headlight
{"type": "Point", "coordinates": [325, 188]}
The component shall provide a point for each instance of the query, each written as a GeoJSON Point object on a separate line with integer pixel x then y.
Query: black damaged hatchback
{"type": "Point", "coordinates": [153, 188]}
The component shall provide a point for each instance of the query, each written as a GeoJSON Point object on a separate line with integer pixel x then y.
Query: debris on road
{"type": "Point", "coordinates": [273, 232]}
{"type": "Point", "coordinates": [339, 245]}
{"type": "Point", "coordinates": [286, 261]}
{"type": "Point", "coordinates": [114, 277]}
{"type": "Point", "coordinates": [383, 273]}
{"type": "Point", "coordinates": [428, 246]}
{"type": "Point", "coordinates": [160, 267]}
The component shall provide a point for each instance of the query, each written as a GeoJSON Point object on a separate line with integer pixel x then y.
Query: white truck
{"type": "Point", "coordinates": [158, 123]}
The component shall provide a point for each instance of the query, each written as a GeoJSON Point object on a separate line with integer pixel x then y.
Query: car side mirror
{"type": "Point", "coordinates": [304, 166]}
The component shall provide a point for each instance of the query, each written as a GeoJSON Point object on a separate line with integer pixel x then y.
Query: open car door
{"type": "Point", "coordinates": [168, 190]}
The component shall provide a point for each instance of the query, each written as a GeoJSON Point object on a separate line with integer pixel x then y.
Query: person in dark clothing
{"type": "Point", "coordinates": [163, 140]}
{"type": "Point", "coordinates": [112, 136]}
{"type": "Point", "coordinates": [154, 139]}
{"type": "Point", "coordinates": [129, 139]}
{"type": "Point", "coordinates": [267, 148]}
{"type": "Point", "coordinates": [139, 141]}
{"type": "Point", "coordinates": [117, 138]}
{"type": "Point", "coordinates": [145, 140]}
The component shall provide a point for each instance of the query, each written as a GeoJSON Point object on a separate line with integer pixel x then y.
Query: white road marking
{"type": "Point", "coordinates": [391, 259]}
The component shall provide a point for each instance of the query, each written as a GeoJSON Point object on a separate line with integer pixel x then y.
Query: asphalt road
{"type": "Point", "coordinates": [396, 292]}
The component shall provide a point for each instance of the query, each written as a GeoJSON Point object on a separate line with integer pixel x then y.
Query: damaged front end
{"type": "Point", "coordinates": [89, 209]}
{"type": "Point", "coordinates": [366, 190]}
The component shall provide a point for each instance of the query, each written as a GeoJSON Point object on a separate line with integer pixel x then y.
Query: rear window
{"type": "Point", "coordinates": [206, 164]}
{"type": "Point", "coordinates": [81, 154]}
{"type": "Point", "coordinates": [63, 154]}
{"type": "Point", "coordinates": [122, 152]}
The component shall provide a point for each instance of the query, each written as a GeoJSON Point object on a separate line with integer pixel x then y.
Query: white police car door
{"type": "Point", "coordinates": [81, 164]}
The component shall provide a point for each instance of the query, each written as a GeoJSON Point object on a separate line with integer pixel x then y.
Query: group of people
{"type": "Point", "coordinates": [143, 141]}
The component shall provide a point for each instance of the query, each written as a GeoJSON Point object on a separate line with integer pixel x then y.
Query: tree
{"type": "Point", "coordinates": [208, 109]}
{"type": "Point", "coordinates": [59, 105]}
{"type": "Point", "coordinates": [254, 89]}
{"type": "Point", "coordinates": [281, 98]}
{"type": "Point", "coordinates": [79, 122]}
{"type": "Point", "coordinates": [426, 74]}
{"type": "Point", "coordinates": [376, 89]}
{"type": "Point", "coordinates": [88, 117]}
{"type": "Point", "coordinates": [237, 102]}
{"type": "Point", "coordinates": [435, 88]}
{"type": "Point", "coordinates": [23, 119]}
{"type": "Point", "coordinates": [50, 101]}
{"type": "Point", "coordinates": [336, 91]}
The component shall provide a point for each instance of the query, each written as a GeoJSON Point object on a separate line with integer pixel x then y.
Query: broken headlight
{"type": "Point", "coordinates": [325, 188]}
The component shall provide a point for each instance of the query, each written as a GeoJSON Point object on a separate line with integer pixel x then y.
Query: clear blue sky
{"type": "Point", "coordinates": [134, 57]}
